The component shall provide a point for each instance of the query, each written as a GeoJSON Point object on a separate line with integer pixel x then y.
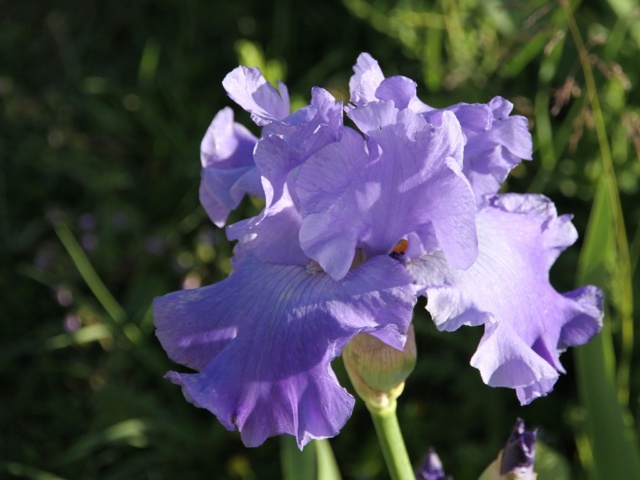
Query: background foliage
{"type": "Point", "coordinates": [103, 106]}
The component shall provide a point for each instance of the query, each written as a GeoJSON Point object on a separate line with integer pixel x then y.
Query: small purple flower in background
{"type": "Point", "coordinates": [357, 224]}
{"type": "Point", "coordinates": [87, 222]}
{"type": "Point", "coordinates": [431, 468]}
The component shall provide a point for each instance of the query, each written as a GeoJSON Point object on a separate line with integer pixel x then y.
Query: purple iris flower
{"type": "Point", "coordinates": [356, 225]}
{"type": "Point", "coordinates": [262, 340]}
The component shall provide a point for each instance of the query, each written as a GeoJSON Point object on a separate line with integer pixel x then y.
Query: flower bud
{"type": "Point", "coordinates": [515, 461]}
{"type": "Point", "coordinates": [378, 371]}
{"type": "Point", "coordinates": [518, 454]}
{"type": "Point", "coordinates": [432, 468]}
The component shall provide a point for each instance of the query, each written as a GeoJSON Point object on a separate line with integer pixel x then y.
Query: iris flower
{"type": "Point", "coordinates": [358, 224]}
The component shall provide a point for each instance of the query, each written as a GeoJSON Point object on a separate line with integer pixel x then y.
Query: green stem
{"type": "Point", "coordinates": [391, 441]}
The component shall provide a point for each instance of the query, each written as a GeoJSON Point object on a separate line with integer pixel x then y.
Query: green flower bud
{"type": "Point", "coordinates": [378, 371]}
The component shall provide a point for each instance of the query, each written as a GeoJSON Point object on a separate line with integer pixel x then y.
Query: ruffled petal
{"type": "Point", "coordinates": [228, 169]}
{"type": "Point", "coordinates": [286, 145]}
{"type": "Point", "coordinates": [272, 235]}
{"type": "Point", "coordinates": [365, 81]}
{"type": "Point", "coordinates": [227, 144]}
{"type": "Point", "coordinates": [506, 360]}
{"type": "Point", "coordinates": [248, 88]}
{"type": "Point", "coordinates": [312, 126]}
{"type": "Point", "coordinates": [263, 340]}
{"type": "Point", "coordinates": [508, 286]}
{"type": "Point", "coordinates": [222, 190]}
{"type": "Point", "coordinates": [354, 195]}
{"type": "Point", "coordinates": [496, 142]}
{"type": "Point", "coordinates": [400, 90]}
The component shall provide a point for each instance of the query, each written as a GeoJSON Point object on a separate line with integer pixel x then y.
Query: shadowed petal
{"type": "Point", "coordinates": [263, 340]}
{"type": "Point", "coordinates": [272, 235]}
{"type": "Point", "coordinates": [228, 169]}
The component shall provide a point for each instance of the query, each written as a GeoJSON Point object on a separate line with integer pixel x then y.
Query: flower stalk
{"type": "Point", "coordinates": [377, 372]}
{"type": "Point", "coordinates": [391, 441]}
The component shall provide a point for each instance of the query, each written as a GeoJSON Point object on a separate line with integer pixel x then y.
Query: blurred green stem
{"type": "Point", "coordinates": [89, 274]}
{"type": "Point", "coordinates": [391, 441]}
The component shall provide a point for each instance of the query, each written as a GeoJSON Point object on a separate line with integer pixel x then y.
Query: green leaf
{"type": "Point", "coordinates": [314, 462]}
{"type": "Point", "coordinates": [297, 464]}
{"type": "Point", "coordinates": [549, 464]}
{"type": "Point", "coordinates": [613, 442]}
{"type": "Point", "coordinates": [16, 469]}
{"type": "Point", "coordinates": [529, 51]}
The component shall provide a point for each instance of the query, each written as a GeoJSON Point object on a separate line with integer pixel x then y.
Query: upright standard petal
{"type": "Point", "coordinates": [354, 194]}
{"type": "Point", "coordinates": [248, 88]}
{"type": "Point", "coordinates": [528, 323]}
{"type": "Point", "coordinates": [228, 169]}
{"type": "Point", "coordinates": [272, 235]}
{"type": "Point", "coordinates": [262, 341]}
{"type": "Point", "coordinates": [365, 81]}
{"type": "Point", "coordinates": [496, 142]}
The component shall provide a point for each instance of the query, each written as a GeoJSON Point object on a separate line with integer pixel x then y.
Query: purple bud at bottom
{"type": "Point", "coordinates": [519, 452]}
{"type": "Point", "coordinates": [432, 468]}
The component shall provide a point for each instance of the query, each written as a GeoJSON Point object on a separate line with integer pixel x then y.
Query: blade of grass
{"type": "Point", "coordinates": [605, 261]}
{"type": "Point", "coordinates": [16, 469]}
{"type": "Point", "coordinates": [88, 273]}
{"type": "Point", "coordinates": [611, 439]}
{"type": "Point", "coordinates": [623, 287]}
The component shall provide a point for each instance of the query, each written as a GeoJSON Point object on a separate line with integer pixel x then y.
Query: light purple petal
{"type": "Point", "coordinates": [227, 144]}
{"type": "Point", "coordinates": [248, 88]}
{"type": "Point", "coordinates": [506, 360]}
{"type": "Point", "coordinates": [263, 340]}
{"type": "Point", "coordinates": [272, 235]}
{"type": "Point", "coordinates": [365, 81]}
{"type": "Point", "coordinates": [400, 90]}
{"type": "Point", "coordinates": [288, 144]}
{"type": "Point", "coordinates": [228, 168]}
{"type": "Point", "coordinates": [496, 142]}
{"type": "Point", "coordinates": [312, 126]}
{"type": "Point", "coordinates": [222, 190]}
{"type": "Point", "coordinates": [354, 195]}
{"type": "Point", "coordinates": [529, 323]}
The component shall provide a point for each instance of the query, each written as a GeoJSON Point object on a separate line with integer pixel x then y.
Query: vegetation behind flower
{"type": "Point", "coordinates": [103, 113]}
